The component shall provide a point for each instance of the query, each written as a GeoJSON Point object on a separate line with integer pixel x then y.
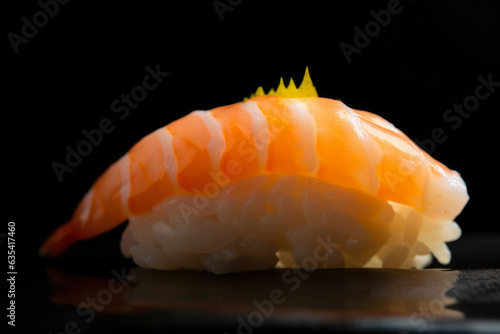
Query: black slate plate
{"type": "Point", "coordinates": [134, 300]}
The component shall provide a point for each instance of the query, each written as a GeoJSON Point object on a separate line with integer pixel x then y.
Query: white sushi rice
{"type": "Point", "coordinates": [268, 220]}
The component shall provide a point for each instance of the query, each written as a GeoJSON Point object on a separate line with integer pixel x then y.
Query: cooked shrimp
{"type": "Point", "coordinates": [323, 158]}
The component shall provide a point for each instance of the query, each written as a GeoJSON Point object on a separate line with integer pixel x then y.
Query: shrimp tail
{"type": "Point", "coordinates": [100, 210]}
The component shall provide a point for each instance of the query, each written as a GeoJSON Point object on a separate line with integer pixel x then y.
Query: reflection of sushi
{"type": "Point", "coordinates": [394, 292]}
{"type": "Point", "coordinates": [263, 182]}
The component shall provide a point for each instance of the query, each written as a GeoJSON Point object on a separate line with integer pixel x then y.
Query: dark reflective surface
{"type": "Point", "coordinates": [338, 300]}
{"type": "Point", "coordinates": [342, 293]}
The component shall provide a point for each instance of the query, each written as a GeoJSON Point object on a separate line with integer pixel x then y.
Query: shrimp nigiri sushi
{"type": "Point", "coordinates": [285, 179]}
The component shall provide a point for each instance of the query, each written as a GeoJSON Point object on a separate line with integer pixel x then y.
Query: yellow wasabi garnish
{"type": "Point", "coordinates": [306, 89]}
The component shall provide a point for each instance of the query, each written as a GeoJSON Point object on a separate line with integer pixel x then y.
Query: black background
{"type": "Point", "coordinates": [65, 78]}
